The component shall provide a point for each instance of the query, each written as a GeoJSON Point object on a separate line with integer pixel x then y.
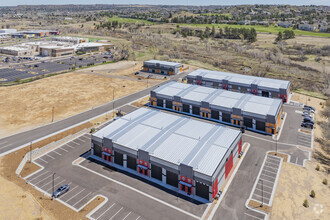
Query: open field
{"type": "Point", "coordinates": [129, 20]}
{"type": "Point", "coordinates": [261, 28]}
{"type": "Point", "coordinates": [30, 105]}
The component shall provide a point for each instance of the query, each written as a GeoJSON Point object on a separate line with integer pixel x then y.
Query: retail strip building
{"type": "Point", "coordinates": [183, 154]}
{"type": "Point", "coordinates": [260, 86]}
{"type": "Point", "coordinates": [256, 113]}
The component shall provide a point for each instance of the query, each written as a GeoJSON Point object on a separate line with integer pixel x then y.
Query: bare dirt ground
{"type": "Point", "coordinates": [295, 182]}
{"type": "Point", "coordinates": [30, 105]}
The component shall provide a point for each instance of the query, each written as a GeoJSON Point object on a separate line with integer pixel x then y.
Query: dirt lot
{"type": "Point", "coordinates": [30, 105]}
{"type": "Point", "coordinates": [295, 183]}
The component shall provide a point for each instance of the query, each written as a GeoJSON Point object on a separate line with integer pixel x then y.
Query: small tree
{"type": "Point", "coordinates": [305, 204]}
{"type": "Point", "coordinates": [325, 181]}
{"type": "Point", "coordinates": [317, 167]}
{"type": "Point", "coordinates": [312, 194]}
{"type": "Point", "coordinates": [279, 37]}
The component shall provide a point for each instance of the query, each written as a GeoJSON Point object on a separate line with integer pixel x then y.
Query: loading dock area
{"type": "Point", "coordinates": [258, 114]}
{"type": "Point", "coordinates": [184, 155]}
{"type": "Point", "coordinates": [266, 87]}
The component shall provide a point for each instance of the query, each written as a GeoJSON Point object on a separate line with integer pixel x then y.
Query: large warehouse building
{"type": "Point", "coordinates": [259, 114]}
{"type": "Point", "coordinates": [162, 67]}
{"type": "Point", "coordinates": [260, 86]}
{"type": "Point", "coordinates": [182, 154]}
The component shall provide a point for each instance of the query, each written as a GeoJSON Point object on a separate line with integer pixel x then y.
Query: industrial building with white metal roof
{"type": "Point", "coordinates": [256, 113]}
{"type": "Point", "coordinates": [183, 154]}
{"type": "Point", "coordinates": [260, 86]}
{"type": "Point", "coordinates": [162, 67]}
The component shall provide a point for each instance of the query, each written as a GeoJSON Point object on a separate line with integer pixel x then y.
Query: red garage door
{"type": "Point", "coordinates": [229, 165]}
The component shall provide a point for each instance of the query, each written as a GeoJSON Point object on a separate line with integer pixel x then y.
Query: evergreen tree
{"type": "Point", "coordinates": [279, 37]}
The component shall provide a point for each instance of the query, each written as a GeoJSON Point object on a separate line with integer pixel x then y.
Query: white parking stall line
{"type": "Point", "coordinates": [252, 216]}
{"type": "Point", "coordinates": [82, 198]}
{"type": "Point", "coordinates": [4, 142]}
{"type": "Point", "coordinates": [269, 171]}
{"type": "Point", "coordinates": [70, 191]}
{"type": "Point", "coordinates": [49, 182]}
{"type": "Point", "coordinates": [57, 152]}
{"type": "Point", "coordinates": [116, 213]}
{"type": "Point", "coordinates": [50, 156]}
{"type": "Point", "coordinates": [69, 146]}
{"type": "Point", "coordinates": [265, 175]}
{"type": "Point", "coordinates": [40, 174]}
{"type": "Point", "coordinates": [275, 165]}
{"type": "Point", "coordinates": [266, 180]}
{"type": "Point", "coordinates": [62, 148]}
{"type": "Point", "coordinates": [67, 201]}
{"type": "Point", "coordinates": [43, 179]}
{"type": "Point", "coordinates": [272, 168]}
{"type": "Point", "coordinates": [261, 191]}
{"type": "Point", "coordinates": [137, 218]}
{"type": "Point", "coordinates": [262, 173]}
{"type": "Point", "coordinates": [75, 142]}
{"type": "Point", "coordinates": [127, 215]}
{"type": "Point", "coordinates": [80, 139]}
{"type": "Point", "coordinates": [270, 160]}
{"type": "Point", "coordinates": [42, 160]}
{"type": "Point", "coordinates": [266, 186]}
{"type": "Point", "coordinates": [106, 211]}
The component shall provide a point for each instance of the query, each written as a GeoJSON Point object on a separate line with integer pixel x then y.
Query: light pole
{"type": "Point", "coordinates": [30, 152]}
{"type": "Point", "coordinates": [113, 101]}
{"type": "Point", "coordinates": [262, 193]}
{"type": "Point", "coordinates": [53, 114]}
{"type": "Point", "coordinates": [53, 186]}
{"type": "Point", "coordinates": [276, 146]}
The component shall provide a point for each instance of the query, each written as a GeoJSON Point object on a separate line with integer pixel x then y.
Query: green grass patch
{"type": "Point", "coordinates": [261, 28]}
{"type": "Point", "coordinates": [312, 94]}
{"type": "Point", "coordinates": [130, 20]}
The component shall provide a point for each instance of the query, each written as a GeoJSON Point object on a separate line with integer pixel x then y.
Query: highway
{"type": "Point", "coordinates": [13, 142]}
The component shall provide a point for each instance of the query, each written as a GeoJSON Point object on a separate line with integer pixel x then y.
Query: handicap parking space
{"type": "Point", "coordinates": [113, 210]}
{"type": "Point", "coordinates": [266, 182]}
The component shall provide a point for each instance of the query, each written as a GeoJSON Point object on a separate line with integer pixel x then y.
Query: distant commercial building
{"type": "Point", "coordinates": [162, 67]}
{"type": "Point", "coordinates": [56, 51]}
{"type": "Point", "coordinates": [7, 31]}
{"type": "Point", "coordinates": [285, 24]}
{"type": "Point", "coordinates": [54, 33]}
{"type": "Point", "coordinates": [256, 113]}
{"type": "Point", "coordinates": [93, 47]}
{"type": "Point", "coordinates": [260, 86]}
{"type": "Point", "coordinates": [22, 35]}
{"type": "Point", "coordinates": [16, 51]}
{"type": "Point", "coordinates": [38, 33]}
{"type": "Point", "coordinates": [4, 36]}
{"type": "Point", "coordinates": [73, 40]}
{"type": "Point", "coordinates": [185, 155]}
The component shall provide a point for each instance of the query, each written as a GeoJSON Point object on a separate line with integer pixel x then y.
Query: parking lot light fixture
{"type": "Point", "coordinates": [262, 193]}
{"type": "Point", "coordinates": [53, 185]}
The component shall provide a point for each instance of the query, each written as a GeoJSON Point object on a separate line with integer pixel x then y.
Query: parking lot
{"type": "Point", "coordinates": [76, 197]}
{"type": "Point", "coordinates": [265, 185]}
{"type": "Point", "coordinates": [113, 210]}
{"type": "Point", "coordinates": [124, 192]}
{"type": "Point", "coordinates": [38, 68]}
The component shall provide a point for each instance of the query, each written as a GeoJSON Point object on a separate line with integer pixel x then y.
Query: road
{"type": "Point", "coordinates": [10, 143]}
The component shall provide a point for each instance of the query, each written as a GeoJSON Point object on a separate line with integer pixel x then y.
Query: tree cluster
{"type": "Point", "coordinates": [287, 34]}
{"type": "Point", "coordinates": [248, 34]}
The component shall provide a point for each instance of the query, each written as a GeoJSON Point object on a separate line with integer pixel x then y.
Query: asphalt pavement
{"type": "Point", "coordinates": [10, 143]}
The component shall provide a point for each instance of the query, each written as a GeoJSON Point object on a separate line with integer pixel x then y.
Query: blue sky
{"type": "Point", "coordinates": [164, 2]}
